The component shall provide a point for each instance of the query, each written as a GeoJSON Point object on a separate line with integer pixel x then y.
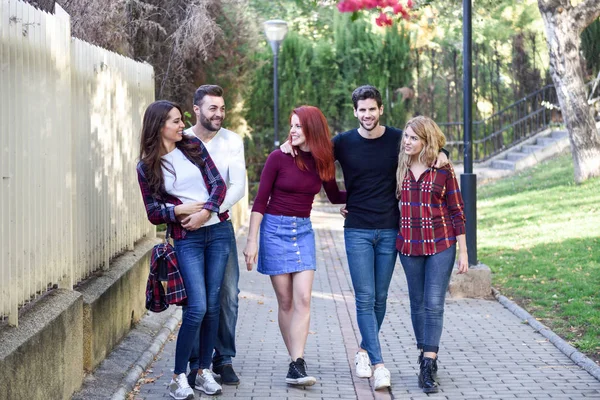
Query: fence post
{"type": "Point", "coordinates": [545, 109]}
{"type": "Point", "coordinates": [67, 279]}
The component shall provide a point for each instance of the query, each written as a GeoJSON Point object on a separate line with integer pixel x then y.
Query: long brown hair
{"type": "Point", "coordinates": [318, 139]}
{"type": "Point", "coordinates": [152, 148]}
{"type": "Point", "coordinates": [433, 140]}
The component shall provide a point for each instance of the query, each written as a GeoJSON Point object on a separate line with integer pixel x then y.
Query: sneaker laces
{"type": "Point", "coordinates": [383, 371]}
{"type": "Point", "coordinates": [300, 367]}
{"type": "Point", "coordinates": [362, 357]}
{"type": "Point", "coordinates": [208, 376]}
{"type": "Point", "coordinates": [182, 381]}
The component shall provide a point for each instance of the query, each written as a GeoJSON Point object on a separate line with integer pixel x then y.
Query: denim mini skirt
{"type": "Point", "coordinates": [287, 244]}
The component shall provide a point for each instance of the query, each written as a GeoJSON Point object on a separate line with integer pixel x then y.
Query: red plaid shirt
{"type": "Point", "coordinates": [431, 212]}
{"type": "Point", "coordinates": [157, 299]}
{"type": "Point", "coordinates": [159, 213]}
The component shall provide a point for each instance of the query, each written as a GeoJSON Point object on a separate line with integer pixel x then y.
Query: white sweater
{"type": "Point", "coordinates": [226, 149]}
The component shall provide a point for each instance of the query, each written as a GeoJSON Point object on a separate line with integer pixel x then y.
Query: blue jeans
{"type": "Point", "coordinates": [371, 259]}
{"type": "Point", "coordinates": [428, 278]}
{"type": "Point", "coordinates": [202, 258]}
{"type": "Point", "coordinates": [225, 343]}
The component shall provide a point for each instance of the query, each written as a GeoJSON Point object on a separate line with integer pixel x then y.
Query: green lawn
{"type": "Point", "coordinates": [540, 235]}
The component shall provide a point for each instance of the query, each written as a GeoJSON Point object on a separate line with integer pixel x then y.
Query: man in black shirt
{"type": "Point", "coordinates": [368, 156]}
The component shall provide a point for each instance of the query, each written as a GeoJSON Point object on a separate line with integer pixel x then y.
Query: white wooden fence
{"type": "Point", "coordinates": [70, 116]}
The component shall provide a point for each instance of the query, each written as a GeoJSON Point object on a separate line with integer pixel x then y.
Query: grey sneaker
{"type": "Point", "coordinates": [205, 382]}
{"type": "Point", "coordinates": [180, 389]}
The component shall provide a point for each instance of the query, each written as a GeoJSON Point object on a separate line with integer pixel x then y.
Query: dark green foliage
{"type": "Point", "coordinates": [323, 72]}
{"type": "Point", "coordinates": [590, 46]}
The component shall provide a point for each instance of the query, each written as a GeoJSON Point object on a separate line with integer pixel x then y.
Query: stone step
{"type": "Point", "coordinates": [528, 148]}
{"type": "Point", "coordinates": [515, 155]}
{"type": "Point", "coordinates": [503, 164]}
{"type": "Point", "coordinates": [560, 134]}
{"type": "Point", "coordinates": [545, 141]}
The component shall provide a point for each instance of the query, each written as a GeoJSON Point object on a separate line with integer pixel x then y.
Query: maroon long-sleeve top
{"type": "Point", "coordinates": [286, 190]}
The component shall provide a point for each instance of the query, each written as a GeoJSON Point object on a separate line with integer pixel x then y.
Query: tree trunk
{"type": "Point", "coordinates": [563, 24]}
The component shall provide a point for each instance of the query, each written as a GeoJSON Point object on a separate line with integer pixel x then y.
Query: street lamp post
{"type": "Point", "coordinates": [275, 30]}
{"type": "Point", "coordinates": [468, 180]}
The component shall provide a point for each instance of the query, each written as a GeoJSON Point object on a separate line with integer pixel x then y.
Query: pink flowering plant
{"type": "Point", "coordinates": [388, 9]}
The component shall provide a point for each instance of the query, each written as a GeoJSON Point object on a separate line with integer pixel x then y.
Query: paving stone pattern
{"type": "Point", "coordinates": [486, 351]}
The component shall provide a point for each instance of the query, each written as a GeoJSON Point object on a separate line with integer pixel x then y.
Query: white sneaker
{"type": "Point", "coordinates": [180, 389]}
{"type": "Point", "coordinates": [363, 364]}
{"type": "Point", "coordinates": [205, 382]}
{"type": "Point", "coordinates": [382, 378]}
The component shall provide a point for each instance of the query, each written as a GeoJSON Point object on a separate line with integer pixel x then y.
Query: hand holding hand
{"type": "Point", "coordinates": [196, 220]}
{"type": "Point", "coordinates": [250, 254]}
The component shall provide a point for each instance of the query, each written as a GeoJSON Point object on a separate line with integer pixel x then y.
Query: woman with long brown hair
{"type": "Point", "coordinates": [282, 208]}
{"type": "Point", "coordinates": [182, 187]}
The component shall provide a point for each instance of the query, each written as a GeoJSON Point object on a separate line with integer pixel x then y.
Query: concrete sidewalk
{"type": "Point", "coordinates": [486, 351]}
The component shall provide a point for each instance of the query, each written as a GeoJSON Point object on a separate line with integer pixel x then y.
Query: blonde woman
{"type": "Point", "coordinates": [431, 223]}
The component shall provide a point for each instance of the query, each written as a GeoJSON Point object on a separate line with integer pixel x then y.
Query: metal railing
{"type": "Point", "coordinates": [70, 116]}
{"type": "Point", "coordinates": [506, 128]}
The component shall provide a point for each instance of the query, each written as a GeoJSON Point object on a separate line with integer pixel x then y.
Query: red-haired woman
{"type": "Point", "coordinates": [281, 208]}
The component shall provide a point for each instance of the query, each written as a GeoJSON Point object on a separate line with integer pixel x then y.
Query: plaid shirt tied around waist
{"type": "Point", "coordinates": [431, 212]}
{"type": "Point", "coordinates": [160, 213]}
{"type": "Point", "coordinates": [158, 297]}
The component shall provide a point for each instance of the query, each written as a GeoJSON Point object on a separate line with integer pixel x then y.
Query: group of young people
{"type": "Point", "coordinates": [401, 197]}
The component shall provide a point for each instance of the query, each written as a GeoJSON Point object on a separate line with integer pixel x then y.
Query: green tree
{"type": "Point", "coordinates": [564, 25]}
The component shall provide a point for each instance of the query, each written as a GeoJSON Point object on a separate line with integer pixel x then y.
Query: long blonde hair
{"type": "Point", "coordinates": [433, 139]}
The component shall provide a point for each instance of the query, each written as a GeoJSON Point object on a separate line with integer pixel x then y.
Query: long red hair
{"type": "Point", "coordinates": [318, 139]}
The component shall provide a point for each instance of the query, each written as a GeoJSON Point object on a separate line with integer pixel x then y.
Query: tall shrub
{"type": "Point", "coordinates": [323, 71]}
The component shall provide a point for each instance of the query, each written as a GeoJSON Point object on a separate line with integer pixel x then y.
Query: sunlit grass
{"type": "Point", "coordinates": [540, 235]}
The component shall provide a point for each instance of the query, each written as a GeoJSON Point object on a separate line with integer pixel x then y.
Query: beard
{"type": "Point", "coordinates": [209, 125]}
{"type": "Point", "coordinates": [375, 125]}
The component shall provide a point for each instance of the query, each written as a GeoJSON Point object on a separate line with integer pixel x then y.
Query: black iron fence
{"type": "Point", "coordinates": [506, 128]}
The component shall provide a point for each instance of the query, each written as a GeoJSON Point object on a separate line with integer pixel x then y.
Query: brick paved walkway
{"type": "Point", "coordinates": [486, 351]}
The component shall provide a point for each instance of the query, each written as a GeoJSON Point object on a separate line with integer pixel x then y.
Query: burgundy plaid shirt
{"type": "Point", "coordinates": [431, 212]}
{"type": "Point", "coordinates": [159, 213]}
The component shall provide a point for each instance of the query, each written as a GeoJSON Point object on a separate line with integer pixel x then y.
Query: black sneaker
{"type": "Point", "coordinates": [297, 374]}
{"type": "Point", "coordinates": [227, 374]}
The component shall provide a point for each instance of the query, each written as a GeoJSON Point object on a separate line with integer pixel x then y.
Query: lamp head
{"type": "Point", "coordinates": [275, 30]}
